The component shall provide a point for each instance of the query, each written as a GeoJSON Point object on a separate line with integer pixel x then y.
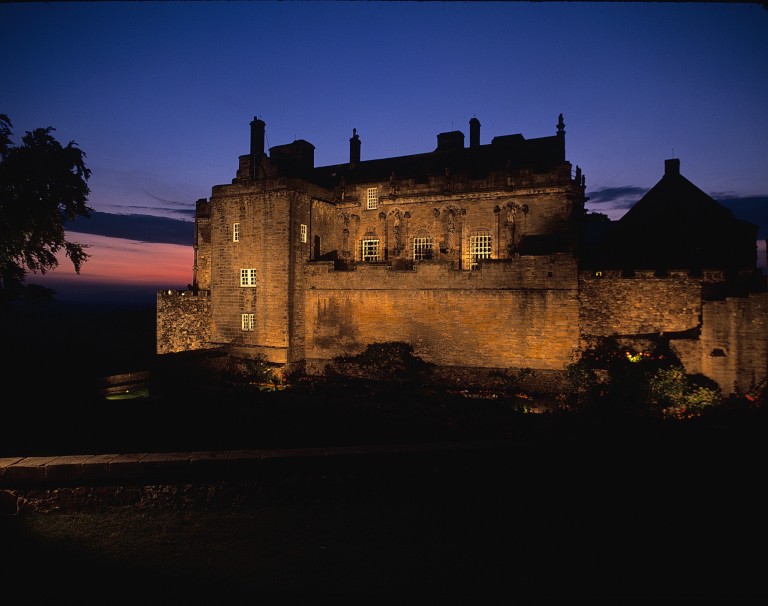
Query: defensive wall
{"type": "Point", "coordinates": [733, 347]}
{"type": "Point", "coordinates": [520, 313]}
{"type": "Point", "coordinates": [183, 320]}
{"type": "Point", "coordinates": [533, 312]}
{"type": "Point", "coordinates": [613, 304]}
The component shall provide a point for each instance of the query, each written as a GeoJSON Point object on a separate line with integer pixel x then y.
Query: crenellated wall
{"type": "Point", "coordinates": [519, 313]}
{"type": "Point", "coordinates": [642, 304]}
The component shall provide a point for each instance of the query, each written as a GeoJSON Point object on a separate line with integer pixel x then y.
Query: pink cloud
{"type": "Point", "coordinates": [123, 262]}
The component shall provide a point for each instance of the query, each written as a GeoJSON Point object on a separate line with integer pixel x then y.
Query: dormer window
{"type": "Point", "coordinates": [372, 198]}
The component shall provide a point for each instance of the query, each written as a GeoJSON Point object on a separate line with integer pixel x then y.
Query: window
{"type": "Point", "coordinates": [247, 321]}
{"type": "Point", "coordinates": [372, 198]}
{"type": "Point", "coordinates": [247, 277]}
{"type": "Point", "coordinates": [303, 233]}
{"type": "Point", "coordinates": [370, 250]}
{"type": "Point", "coordinates": [422, 248]}
{"type": "Point", "coordinates": [479, 248]}
{"type": "Point", "coordinates": [235, 232]}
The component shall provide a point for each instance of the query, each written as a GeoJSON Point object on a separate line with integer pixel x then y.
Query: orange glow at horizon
{"type": "Point", "coordinates": [124, 262]}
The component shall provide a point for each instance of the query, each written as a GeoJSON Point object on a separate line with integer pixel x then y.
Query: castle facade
{"type": "Point", "coordinates": [477, 255]}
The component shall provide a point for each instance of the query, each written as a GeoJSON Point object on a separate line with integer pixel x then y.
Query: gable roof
{"type": "Point", "coordinates": [675, 225]}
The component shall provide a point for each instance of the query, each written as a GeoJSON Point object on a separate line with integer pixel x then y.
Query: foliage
{"type": "Point", "coordinates": [394, 358]}
{"type": "Point", "coordinates": [42, 186]}
{"type": "Point", "coordinates": [612, 377]}
{"type": "Point", "coordinates": [679, 395]}
{"type": "Point", "coordinates": [253, 371]}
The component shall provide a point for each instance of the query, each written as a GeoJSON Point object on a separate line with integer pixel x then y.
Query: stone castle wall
{"type": "Point", "coordinates": [521, 313]}
{"type": "Point", "coordinates": [733, 347]}
{"type": "Point", "coordinates": [183, 320]}
{"type": "Point", "coordinates": [642, 304]}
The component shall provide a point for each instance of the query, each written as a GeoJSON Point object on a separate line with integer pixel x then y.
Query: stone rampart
{"type": "Point", "coordinates": [641, 304]}
{"type": "Point", "coordinates": [521, 313]}
{"type": "Point", "coordinates": [183, 320]}
{"type": "Point", "coordinates": [733, 347]}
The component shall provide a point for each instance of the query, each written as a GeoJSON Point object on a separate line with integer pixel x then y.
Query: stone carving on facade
{"type": "Point", "coordinates": [397, 232]}
{"type": "Point", "coordinates": [347, 219]}
{"type": "Point", "coordinates": [453, 223]}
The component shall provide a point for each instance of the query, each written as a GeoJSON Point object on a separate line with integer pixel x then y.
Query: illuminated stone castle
{"type": "Point", "coordinates": [479, 256]}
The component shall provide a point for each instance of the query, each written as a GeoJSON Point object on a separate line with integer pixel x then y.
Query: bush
{"type": "Point", "coordinates": [679, 396]}
{"type": "Point", "coordinates": [616, 378]}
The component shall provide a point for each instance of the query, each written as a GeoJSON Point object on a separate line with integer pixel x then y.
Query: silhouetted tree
{"type": "Point", "coordinates": [42, 186]}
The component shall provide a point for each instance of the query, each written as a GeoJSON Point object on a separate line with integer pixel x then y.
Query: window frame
{"type": "Point", "coordinates": [372, 198]}
{"type": "Point", "coordinates": [421, 244]}
{"type": "Point", "coordinates": [236, 232]}
{"type": "Point", "coordinates": [366, 247]}
{"type": "Point", "coordinates": [247, 322]}
{"type": "Point", "coordinates": [480, 247]}
{"type": "Point", "coordinates": [248, 277]}
{"type": "Point", "coordinates": [303, 233]}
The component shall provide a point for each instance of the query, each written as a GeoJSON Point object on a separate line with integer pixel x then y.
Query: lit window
{"type": "Point", "coordinates": [370, 250]}
{"type": "Point", "coordinates": [247, 277]}
{"type": "Point", "coordinates": [422, 248]}
{"type": "Point", "coordinates": [247, 321]}
{"type": "Point", "coordinates": [372, 198]}
{"type": "Point", "coordinates": [479, 248]}
{"type": "Point", "coordinates": [303, 233]}
{"type": "Point", "coordinates": [235, 232]}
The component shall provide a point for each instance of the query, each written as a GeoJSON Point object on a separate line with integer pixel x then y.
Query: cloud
{"type": "Point", "coordinates": [617, 197]}
{"type": "Point", "coordinates": [614, 201]}
{"type": "Point", "coordinates": [143, 228]}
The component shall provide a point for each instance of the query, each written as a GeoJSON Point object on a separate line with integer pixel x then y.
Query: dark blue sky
{"type": "Point", "coordinates": [159, 95]}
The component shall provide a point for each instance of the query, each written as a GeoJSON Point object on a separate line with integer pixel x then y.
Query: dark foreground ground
{"type": "Point", "coordinates": [612, 521]}
{"type": "Point", "coordinates": [580, 509]}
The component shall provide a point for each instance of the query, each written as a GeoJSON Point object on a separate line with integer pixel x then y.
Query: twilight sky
{"type": "Point", "coordinates": [159, 95]}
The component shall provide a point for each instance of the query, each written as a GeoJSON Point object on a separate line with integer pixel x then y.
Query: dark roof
{"type": "Point", "coordinates": [677, 225]}
{"type": "Point", "coordinates": [512, 152]}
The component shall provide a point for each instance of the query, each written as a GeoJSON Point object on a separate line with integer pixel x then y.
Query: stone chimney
{"type": "Point", "coordinates": [354, 148]}
{"type": "Point", "coordinates": [257, 144]}
{"type": "Point", "coordinates": [672, 167]}
{"type": "Point", "coordinates": [474, 132]}
{"type": "Point", "coordinates": [450, 141]}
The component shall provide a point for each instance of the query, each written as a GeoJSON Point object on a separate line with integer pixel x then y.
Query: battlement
{"type": "Point", "coordinates": [558, 271]}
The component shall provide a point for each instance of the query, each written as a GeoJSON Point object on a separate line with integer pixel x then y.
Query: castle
{"type": "Point", "coordinates": [480, 256]}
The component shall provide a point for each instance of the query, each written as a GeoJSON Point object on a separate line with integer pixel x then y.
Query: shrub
{"type": "Point", "coordinates": [678, 395]}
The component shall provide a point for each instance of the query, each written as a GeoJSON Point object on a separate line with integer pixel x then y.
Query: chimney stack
{"type": "Point", "coordinates": [672, 167]}
{"type": "Point", "coordinates": [474, 132]}
{"type": "Point", "coordinates": [257, 144]}
{"type": "Point", "coordinates": [354, 148]}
